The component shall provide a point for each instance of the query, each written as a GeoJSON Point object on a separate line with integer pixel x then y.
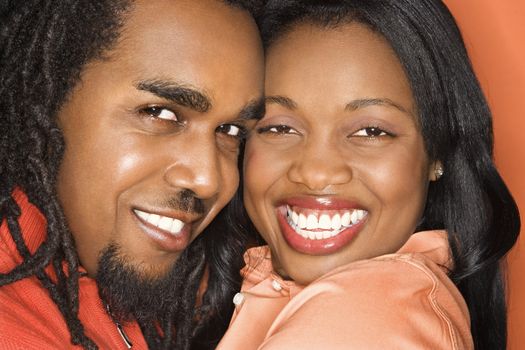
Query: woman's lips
{"type": "Point", "coordinates": [318, 226]}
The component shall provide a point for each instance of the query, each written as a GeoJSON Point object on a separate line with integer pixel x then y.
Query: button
{"type": "Point", "coordinates": [238, 299]}
{"type": "Point", "coordinates": [276, 286]}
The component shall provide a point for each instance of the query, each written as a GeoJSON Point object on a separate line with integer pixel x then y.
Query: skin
{"type": "Point", "coordinates": [130, 144]}
{"type": "Point", "coordinates": [317, 141]}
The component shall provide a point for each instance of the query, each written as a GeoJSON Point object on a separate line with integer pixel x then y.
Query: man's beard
{"type": "Point", "coordinates": [131, 295]}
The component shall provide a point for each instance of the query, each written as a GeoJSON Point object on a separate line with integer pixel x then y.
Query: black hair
{"type": "Point", "coordinates": [44, 46]}
{"type": "Point", "coordinates": [471, 200]}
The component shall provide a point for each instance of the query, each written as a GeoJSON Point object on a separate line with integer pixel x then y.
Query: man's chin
{"type": "Point", "coordinates": [141, 293]}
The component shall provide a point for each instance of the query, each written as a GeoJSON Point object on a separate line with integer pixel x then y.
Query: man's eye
{"type": "Point", "coordinates": [232, 130]}
{"type": "Point", "coordinates": [370, 131]}
{"type": "Point", "coordinates": [160, 113]}
{"type": "Point", "coordinates": [277, 129]}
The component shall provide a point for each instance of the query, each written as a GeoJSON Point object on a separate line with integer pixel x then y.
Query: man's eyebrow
{"type": "Point", "coordinates": [181, 94]}
{"type": "Point", "coordinates": [281, 100]}
{"type": "Point", "coordinates": [253, 110]}
{"type": "Point", "coordinates": [365, 102]}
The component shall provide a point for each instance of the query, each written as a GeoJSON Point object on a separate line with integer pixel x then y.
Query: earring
{"type": "Point", "coordinates": [438, 172]}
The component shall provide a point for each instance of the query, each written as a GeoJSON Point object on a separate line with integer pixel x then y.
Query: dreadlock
{"type": "Point", "coordinates": [44, 45]}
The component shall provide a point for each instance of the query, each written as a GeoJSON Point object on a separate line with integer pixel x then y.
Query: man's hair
{"type": "Point", "coordinates": [471, 201]}
{"type": "Point", "coordinates": [44, 45]}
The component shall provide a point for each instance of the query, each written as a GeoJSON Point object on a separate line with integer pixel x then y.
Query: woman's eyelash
{"type": "Point", "coordinates": [371, 132]}
{"type": "Point", "coordinates": [276, 129]}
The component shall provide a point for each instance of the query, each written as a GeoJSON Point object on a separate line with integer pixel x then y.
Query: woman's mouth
{"type": "Point", "coordinates": [322, 224]}
{"type": "Point", "coordinates": [319, 231]}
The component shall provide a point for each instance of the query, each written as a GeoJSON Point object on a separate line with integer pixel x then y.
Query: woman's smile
{"type": "Point", "coordinates": [319, 225]}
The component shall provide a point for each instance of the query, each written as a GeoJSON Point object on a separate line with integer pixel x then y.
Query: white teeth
{"type": "Point", "coordinates": [144, 216]}
{"type": "Point", "coordinates": [302, 221]}
{"type": "Point", "coordinates": [323, 225]}
{"type": "Point", "coordinates": [353, 217]}
{"type": "Point", "coordinates": [345, 219]}
{"type": "Point", "coordinates": [165, 223]}
{"type": "Point", "coordinates": [336, 222]}
{"type": "Point", "coordinates": [154, 219]}
{"type": "Point", "coordinates": [325, 222]}
{"type": "Point", "coordinates": [311, 222]}
{"type": "Point", "coordinates": [295, 218]}
{"type": "Point", "coordinates": [176, 226]}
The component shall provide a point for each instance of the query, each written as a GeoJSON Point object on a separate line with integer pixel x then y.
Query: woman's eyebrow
{"type": "Point", "coordinates": [281, 100]}
{"type": "Point", "coordinates": [365, 102]}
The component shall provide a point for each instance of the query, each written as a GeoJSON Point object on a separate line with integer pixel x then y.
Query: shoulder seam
{"type": "Point", "coordinates": [432, 296]}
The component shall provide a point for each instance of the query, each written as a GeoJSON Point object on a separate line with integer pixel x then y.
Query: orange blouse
{"type": "Point", "coordinates": [397, 301]}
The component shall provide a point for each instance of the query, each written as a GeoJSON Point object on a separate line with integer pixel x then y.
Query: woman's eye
{"type": "Point", "coordinates": [160, 113]}
{"type": "Point", "coordinates": [277, 129]}
{"type": "Point", "coordinates": [232, 130]}
{"type": "Point", "coordinates": [370, 131]}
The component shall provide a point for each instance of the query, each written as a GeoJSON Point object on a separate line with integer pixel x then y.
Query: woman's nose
{"type": "Point", "coordinates": [319, 166]}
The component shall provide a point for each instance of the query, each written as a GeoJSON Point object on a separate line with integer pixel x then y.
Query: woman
{"type": "Point", "coordinates": [375, 128]}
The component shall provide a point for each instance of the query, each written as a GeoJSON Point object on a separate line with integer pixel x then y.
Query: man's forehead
{"type": "Point", "coordinates": [193, 14]}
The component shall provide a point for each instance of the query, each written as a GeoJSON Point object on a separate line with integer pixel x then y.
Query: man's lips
{"type": "Point", "coordinates": [169, 233]}
{"type": "Point", "coordinates": [319, 226]}
{"type": "Point", "coordinates": [166, 223]}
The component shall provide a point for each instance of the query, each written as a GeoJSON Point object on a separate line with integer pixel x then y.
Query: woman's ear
{"type": "Point", "coordinates": [436, 171]}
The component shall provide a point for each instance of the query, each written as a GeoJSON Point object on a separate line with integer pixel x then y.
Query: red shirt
{"type": "Point", "coordinates": [29, 319]}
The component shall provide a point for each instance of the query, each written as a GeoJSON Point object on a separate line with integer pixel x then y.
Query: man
{"type": "Point", "coordinates": [121, 123]}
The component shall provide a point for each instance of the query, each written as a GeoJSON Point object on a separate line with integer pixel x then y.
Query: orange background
{"type": "Point", "coordinates": [494, 33]}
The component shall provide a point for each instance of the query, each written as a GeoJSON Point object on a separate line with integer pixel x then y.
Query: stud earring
{"type": "Point", "coordinates": [438, 172]}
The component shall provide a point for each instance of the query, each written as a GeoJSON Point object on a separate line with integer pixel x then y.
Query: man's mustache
{"type": "Point", "coordinates": [185, 201]}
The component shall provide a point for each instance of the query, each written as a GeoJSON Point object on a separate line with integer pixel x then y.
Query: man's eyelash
{"type": "Point", "coordinates": [243, 131]}
{"type": "Point", "coordinates": [151, 111]}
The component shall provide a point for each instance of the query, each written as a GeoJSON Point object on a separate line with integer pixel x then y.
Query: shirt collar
{"type": "Point", "coordinates": [433, 244]}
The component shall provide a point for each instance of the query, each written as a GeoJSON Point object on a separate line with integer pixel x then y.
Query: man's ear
{"type": "Point", "coordinates": [436, 171]}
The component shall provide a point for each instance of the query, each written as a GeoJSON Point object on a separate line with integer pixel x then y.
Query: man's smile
{"type": "Point", "coordinates": [165, 223]}
{"type": "Point", "coordinates": [171, 233]}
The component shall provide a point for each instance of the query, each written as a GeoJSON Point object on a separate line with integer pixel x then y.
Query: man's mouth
{"type": "Point", "coordinates": [322, 224]}
{"type": "Point", "coordinates": [165, 223]}
{"type": "Point", "coordinates": [168, 233]}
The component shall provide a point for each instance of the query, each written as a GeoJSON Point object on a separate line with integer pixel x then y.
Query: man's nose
{"type": "Point", "coordinates": [196, 167]}
{"type": "Point", "coordinates": [319, 166]}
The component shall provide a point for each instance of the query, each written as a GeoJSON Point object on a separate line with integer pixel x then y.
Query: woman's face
{"type": "Point", "coordinates": [336, 171]}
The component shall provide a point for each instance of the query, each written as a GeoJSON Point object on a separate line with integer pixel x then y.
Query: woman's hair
{"type": "Point", "coordinates": [44, 45]}
{"type": "Point", "coordinates": [470, 201]}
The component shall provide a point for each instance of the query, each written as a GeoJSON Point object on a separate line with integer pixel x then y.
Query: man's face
{"type": "Point", "coordinates": [152, 131]}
